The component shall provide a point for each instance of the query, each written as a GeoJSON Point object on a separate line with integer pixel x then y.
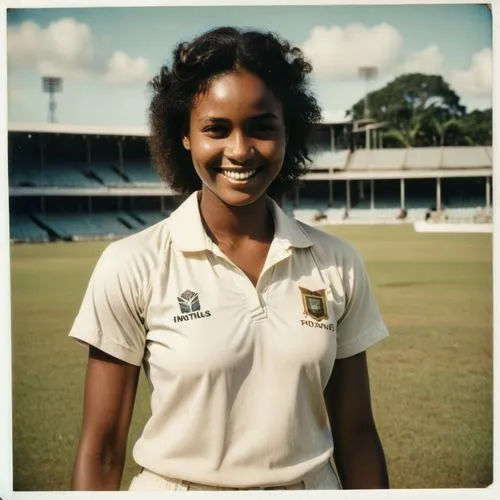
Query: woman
{"type": "Point", "coordinates": [252, 327]}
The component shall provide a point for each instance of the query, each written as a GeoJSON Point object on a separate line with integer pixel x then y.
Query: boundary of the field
{"type": "Point", "coordinates": [426, 227]}
{"type": "Point", "coordinates": [418, 226]}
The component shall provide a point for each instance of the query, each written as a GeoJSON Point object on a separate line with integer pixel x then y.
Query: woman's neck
{"type": "Point", "coordinates": [228, 224]}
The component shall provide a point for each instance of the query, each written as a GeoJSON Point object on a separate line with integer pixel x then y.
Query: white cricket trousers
{"type": "Point", "coordinates": [323, 478]}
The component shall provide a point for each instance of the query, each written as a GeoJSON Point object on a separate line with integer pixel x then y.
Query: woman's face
{"type": "Point", "coordinates": [237, 138]}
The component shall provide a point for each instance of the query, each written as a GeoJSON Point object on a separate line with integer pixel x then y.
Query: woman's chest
{"type": "Point", "coordinates": [205, 315]}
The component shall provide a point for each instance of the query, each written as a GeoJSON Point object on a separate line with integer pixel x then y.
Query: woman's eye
{"type": "Point", "coordinates": [264, 129]}
{"type": "Point", "coordinates": [215, 130]}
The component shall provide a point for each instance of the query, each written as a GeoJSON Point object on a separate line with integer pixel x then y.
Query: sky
{"type": "Point", "coordinates": [106, 56]}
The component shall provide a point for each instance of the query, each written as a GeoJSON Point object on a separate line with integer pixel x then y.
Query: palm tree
{"type": "Point", "coordinates": [408, 136]}
{"type": "Point", "coordinates": [442, 127]}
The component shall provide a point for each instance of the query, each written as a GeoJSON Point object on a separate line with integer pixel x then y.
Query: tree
{"type": "Point", "coordinates": [412, 104]}
{"type": "Point", "coordinates": [414, 131]}
{"type": "Point", "coordinates": [449, 133]}
{"type": "Point", "coordinates": [478, 126]}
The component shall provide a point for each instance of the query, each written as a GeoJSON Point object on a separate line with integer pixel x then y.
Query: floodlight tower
{"type": "Point", "coordinates": [367, 73]}
{"type": "Point", "coordinates": [51, 86]}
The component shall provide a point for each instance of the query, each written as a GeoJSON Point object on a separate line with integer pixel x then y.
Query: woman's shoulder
{"type": "Point", "coordinates": [142, 249]}
{"type": "Point", "coordinates": [329, 244]}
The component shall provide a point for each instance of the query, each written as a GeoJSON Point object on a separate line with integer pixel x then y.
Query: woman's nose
{"type": "Point", "coordinates": [239, 149]}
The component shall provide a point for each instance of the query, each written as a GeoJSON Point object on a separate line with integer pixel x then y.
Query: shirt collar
{"type": "Point", "coordinates": [189, 235]}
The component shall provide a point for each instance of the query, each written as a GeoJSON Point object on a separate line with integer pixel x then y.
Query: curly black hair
{"type": "Point", "coordinates": [221, 51]}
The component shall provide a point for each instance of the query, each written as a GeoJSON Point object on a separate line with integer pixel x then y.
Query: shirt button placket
{"type": "Point", "coordinates": [253, 296]}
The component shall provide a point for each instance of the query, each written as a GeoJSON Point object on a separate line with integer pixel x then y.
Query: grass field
{"type": "Point", "coordinates": [431, 380]}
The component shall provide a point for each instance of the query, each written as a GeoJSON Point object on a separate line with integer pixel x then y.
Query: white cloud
{"type": "Point", "coordinates": [68, 48]}
{"type": "Point", "coordinates": [477, 79]}
{"type": "Point", "coordinates": [428, 61]}
{"type": "Point", "coordinates": [124, 69]}
{"type": "Point", "coordinates": [23, 42]}
{"type": "Point", "coordinates": [337, 52]}
{"type": "Point", "coordinates": [340, 51]}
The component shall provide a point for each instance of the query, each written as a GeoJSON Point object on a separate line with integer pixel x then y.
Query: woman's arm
{"type": "Point", "coordinates": [358, 452]}
{"type": "Point", "coordinates": [110, 389]}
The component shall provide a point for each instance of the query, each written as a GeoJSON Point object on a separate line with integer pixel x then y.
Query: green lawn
{"type": "Point", "coordinates": [431, 380]}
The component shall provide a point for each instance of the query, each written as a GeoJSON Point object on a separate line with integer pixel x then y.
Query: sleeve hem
{"type": "Point", "coordinates": [369, 339]}
{"type": "Point", "coordinates": [109, 347]}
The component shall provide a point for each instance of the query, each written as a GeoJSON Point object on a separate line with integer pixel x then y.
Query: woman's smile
{"type": "Point", "coordinates": [240, 175]}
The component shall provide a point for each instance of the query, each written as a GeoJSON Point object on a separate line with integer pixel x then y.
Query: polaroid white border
{"type": "Point", "coordinates": [6, 493]}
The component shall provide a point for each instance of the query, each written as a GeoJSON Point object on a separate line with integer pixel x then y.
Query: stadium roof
{"type": "Point", "coordinates": [111, 130]}
{"type": "Point", "coordinates": [65, 128]}
{"type": "Point", "coordinates": [448, 157]}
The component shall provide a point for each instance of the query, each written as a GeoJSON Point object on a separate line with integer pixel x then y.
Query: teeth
{"type": "Point", "coordinates": [238, 176]}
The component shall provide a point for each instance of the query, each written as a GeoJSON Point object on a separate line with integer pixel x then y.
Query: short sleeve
{"type": "Point", "coordinates": [110, 316]}
{"type": "Point", "coordinates": [361, 326]}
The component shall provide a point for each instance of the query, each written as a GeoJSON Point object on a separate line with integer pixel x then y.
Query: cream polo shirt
{"type": "Point", "coordinates": [237, 372]}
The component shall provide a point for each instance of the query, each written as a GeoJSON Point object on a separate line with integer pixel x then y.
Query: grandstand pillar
{"type": "Point", "coordinates": [438, 194]}
{"type": "Point", "coordinates": [402, 193]}
{"type": "Point", "coordinates": [348, 194]}
{"type": "Point", "coordinates": [488, 192]}
{"type": "Point", "coordinates": [330, 193]}
{"type": "Point", "coordinates": [89, 151]}
{"type": "Point", "coordinates": [42, 159]}
{"type": "Point", "coordinates": [120, 155]}
{"type": "Point", "coordinates": [372, 194]}
{"type": "Point", "coordinates": [332, 138]}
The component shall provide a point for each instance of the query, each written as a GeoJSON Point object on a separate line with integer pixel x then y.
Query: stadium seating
{"type": "Point", "coordinates": [320, 200]}
{"type": "Point", "coordinates": [141, 174]}
{"type": "Point", "coordinates": [22, 228]}
{"type": "Point", "coordinates": [107, 175]}
{"type": "Point", "coordinates": [149, 217]}
{"type": "Point", "coordinates": [69, 226]}
{"type": "Point", "coordinates": [129, 220]}
{"type": "Point", "coordinates": [467, 201]}
{"type": "Point", "coordinates": [419, 202]}
{"type": "Point", "coordinates": [19, 176]}
{"type": "Point", "coordinates": [53, 175]}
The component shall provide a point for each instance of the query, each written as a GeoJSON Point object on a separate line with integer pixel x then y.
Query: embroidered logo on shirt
{"type": "Point", "coordinates": [314, 303]}
{"type": "Point", "coordinates": [189, 304]}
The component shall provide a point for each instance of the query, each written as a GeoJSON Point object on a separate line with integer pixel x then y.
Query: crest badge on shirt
{"type": "Point", "coordinates": [314, 303]}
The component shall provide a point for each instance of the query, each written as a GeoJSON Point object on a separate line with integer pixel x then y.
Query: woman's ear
{"type": "Point", "coordinates": [186, 142]}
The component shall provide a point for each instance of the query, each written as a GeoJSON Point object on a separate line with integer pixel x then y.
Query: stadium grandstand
{"type": "Point", "coordinates": [92, 182]}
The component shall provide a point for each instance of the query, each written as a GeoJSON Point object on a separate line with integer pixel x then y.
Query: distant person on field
{"type": "Point", "coordinates": [402, 214]}
{"type": "Point", "coordinates": [251, 327]}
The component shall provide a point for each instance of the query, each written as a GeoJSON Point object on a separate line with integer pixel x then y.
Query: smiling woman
{"type": "Point", "coordinates": [237, 138]}
{"type": "Point", "coordinates": [252, 327]}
